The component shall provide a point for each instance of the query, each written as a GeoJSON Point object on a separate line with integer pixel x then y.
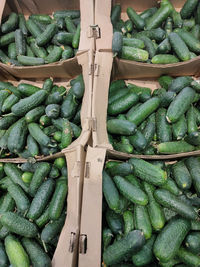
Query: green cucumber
{"type": "Point", "coordinates": [12, 53]}
{"type": "Point", "coordinates": [115, 14]}
{"type": "Point", "coordinates": [144, 93]}
{"type": "Point", "coordinates": [125, 148]}
{"type": "Point", "coordinates": [192, 43]}
{"type": "Point", "coordinates": [188, 8]}
{"type": "Point", "coordinates": [168, 200]}
{"type": "Point", "coordinates": [54, 55]}
{"type": "Point", "coordinates": [179, 83]}
{"type": "Point", "coordinates": [27, 177]}
{"type": "Point", "coordinates": [163, 128]}
{"type": "Point", "coordinates": [164, 59]}
{"type": "Point", "coordinates": [128, 221]}
{"type": "Point", "coordinates": [30, 61]}
{"type": "Point", "coordinates": [173, 233]}
{"type": "Point", "coordinates": [157, 34]}
{"type": "Point", "coordinates": [181, 175]}
{"type": "Point", "coordinates": [64, 38]}
{"type": "Point", "coordinates": [143, 111]}
{"type": "Point", "coordinates": [117, 43]}
{"type": "Point", "coordinates": [165, 81]}
{"type": "Point", "coordinates": [9, 102]}
{"type": "Point", "coordinates": [138, 141]}
{"type": "Point", "coordinates": [20, 42]}
{"type": "Point", "coordinates": [177, 20]}
{"type": "Point", "coordinates": [171, 186]}
{"type": "Point", "coordinates": [180, 104]}
{"type": "Point", "coordinates": [149, 46]}
{"type": "Point", "coordinates": [179, 46]}
{"type": "Point", "coordinates": [40, 52]}
{"type": "Point", "coordinates": [47, 35]}
{"type": "Point", "coordinates": [76, 37]}
{"type": "Point", "coordinates": [33, 28]}
{"type": "Point", "coordinates": [32, 146]}
{"type": "Point", "coordinates": [133, 42]}
{"type": "Point", "coordinates": [148, 172]}
{"type": "Point", "coordinates": [67, 52]}
{"type": "Point", "coordinates": [3, 95]}
{"type": "Point", "coordinates": [18, 225]}
{"type": "Point", "coordinates": [48, 84]}
{"type": "Point", "coordinates": [168, 26]}
{"type": "Point", "coordinates": [43, 219]}
{"type": "Point", "coordinates": [192, 242]}
{"type": "Point", "coordinates": [115, 221]}
{"type": "Point", "coordinates": [128, 245]}
{"type": "Point", "coordinates": [4, 58]}
{"type": "Point", "coordinates": [7, 121]}
{"type": "Point", "coordinates": [179, 128]}
{"type": "Point", "coordinates": [148, 13]}
{"type": "Point", "coordinates": [7, 39]}
{"type": "Point", "coordinates": [41, 199]}
{"type": "Point", "coordinates": [191, 120]}
{"type": "Point", "coordinates": [38, 134]}
{"type": "Point", "coordinates": [67, 133]}
{"type": "Point", "coordinates": [70, 25]}
{"type": "Point", "coordinates": [8, 203]}
{"type": "Point", "coordinates": [64, 13]}
{"type": "Point", "coordinates": [69, 107]}
{"type": "Point", "coordinates": [11, 24]}
{"type": "Point", "coordinates": [129, 191]}
{"type": "Point", "coordinates": [174, 147]}
{"type": "Point", "coordinates": [164, 47]}
{"type": "Point", "coordinates": [16, 253]}
{"type": "Point", "coordinates": [34, 114]}
{"type": "Point", "coordinates": [107, 237]}
{"type": "Point", "coordinates": [52, 111]}
{"type": "Point", "coordinates": [3, 256]}
{"type": "Point", "coordinates": [142, 221]}
{"type": "Point", "coordinates": [121, 127]}
{"type": "Point", "coordinates": [135, 18]}
{"type": "Point", "coordinates": [188, 257]}
{"type": "Point", "coordinates": [136, 54]}
{"type": "Point", "coordinates": [121, 169]}
{"type": "Point", "coordinates": [27, 89]}
{"type": "Point", "coordinates": [192, 164]}
{"type": "Point", "coordinates": [22, 24]}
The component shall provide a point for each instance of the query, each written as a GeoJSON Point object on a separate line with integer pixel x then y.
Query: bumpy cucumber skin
{"type": "Point", "coordinates": [30, 61]}
{"type": "Point", "coordinates": [188, 257]}
{"type": "Point", "coordinates": [121, 127]}
{"type": "Point", "coordinates": [136, 54]}
{"type": "Point", "coordinates": [194, 169]}
{"type": "Point", "coordinates": [136, 19]}
{"type": "Point", "coordinates": [163, 128]}
{"type": "Point", "coordinates": [188, 8]}
{"type": "Point", "coordinates": [10, 24]}
{"type": "Point", "coordinates": [179, 46]}
{"type": "Point", "coordinates": [181, 175]}
{"type": "Point", "coordinates": [179, 128]}
{"type": "Point", "coordinates": [142, 220]}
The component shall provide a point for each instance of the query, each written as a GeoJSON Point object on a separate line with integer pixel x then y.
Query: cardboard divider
{"type": "Point", "coordinates": [133, 69]}
{"type": "Point", "coordinates": [102, 80]}
{"type": "Point", "coordinates": [61, 69]}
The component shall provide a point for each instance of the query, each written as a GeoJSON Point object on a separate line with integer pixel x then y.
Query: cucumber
{"type": "Point", "coordinates": [128, 221]}
{"type": "Point", "coordinates": [64, 13]}
{"type": "Point", "coordinates": [143, 111]}
{"type": "Point", "coordinates": [16, 253]}
{"type": "Point", "coordinates": [192, 43]}
{"type": "Point", "coordinates": [8, 203]}
{"type": "Point", "coordinates": [195, 85]}
{"type": "Point", "coordinates": [47, 35]}
{"type": "Point", "coordinates": [144, 93]}
{"type": "Point", "coordinates": [159, 16]}
{"type": "Point", "coordinates": [41, 199]}
{"type": "Point", "coordinates": [136, 54]}
{"type": "Point", "coordinates": [52, 229]}
{"type": "Point", "coordinates": [121, 127]}
{"type": "Point", "coordinates": [34, 114]}
{"type": "Point", "coordinates": [191, 120]}
{"type": "Point", "coordinates": [125, 148]}
{"type": "Point", "coordinates": [7, 39]}
{"type": "Point", "coordinates": [3, 256]}
{"type": "Point", "coordinates": [142, 221]}
{"type": "Point", "coordinates": [179, 83]}
{"type": "Point", "coordinates": [164, 47]}
{"type": "Point", "coordinates": [149, 46]}
{"type": "Point", "coordinates": [20, 42]}
{"type": "Point", "coordinates": [135, 18]}
{"type": "Point", "coordinates": [30, 61]}
{"type": "Point", "coordinates": [17, 136]}
{"type": "Point", "coordinates": [168, 26]}
{"type": "Point", "coordinates": [40, 52]}
{"type": "Point", "coordinates": [3, 95]}
{"type": "Point", "coordinates": [177, 20]}
{"type": "Point", "coordinates": [52, 111]}
{"type": "Point", "coordinates": [11, 24]}
{"type": "Point", "coordinates": [115, 221]}
{"type": "Point", "coordinates": [179, 128]}
{"type": "Point", "coordinates": [27, 177]}
{"type": "Point", "coordinates": [148, 13]}
{"type": "Point", "coordinates": [67, 133]}
{"type": "Point", "coordinates": [164, 59]}
{"type": "Point", "coordinates": [117, 43]}
{"type": "Point", "coordinates": [181, 175]}
{"type": "Point", "coordinates": [173, 233]}
{"type": "Point", "coordinates": [67, 52]}
{"type": "Point", "coordinates": [180, 104]}
{"type": "Point", "coordinates": [43, 219]}
{"type": "Point", "coordinates": [4, 58]}
{"type": "Point", "coordinates": [22, 24]}
{"type": "Point", "coordinates": [179, 46]}
{"type": "Point", "coordinates": [37, 255]}
{"type": "Point", "coordinates": [69, 107]}
{"type": "Point", "coordinates": [148, 172]}
{"type": "Point", "coordinates": [18, 225]}
{"type": "Point", "coordinates": [192, 242]}
{"type": "Point", "coordinates": [157, 34]}
{"type": "Point", "coordinates": [163, 128]}
{"type": "Point", "coordinates": [70, 25]}
{"type": "Point", "coordinates": [38, 134]}
{"type": "Point", "coordinates": [171, 186]}
{"type": "Point", "coordinates": [27, 89]}
{"type": "Point", "coordinates": [48, 84]}
{"type": "Point", "coordinates": [128, 245]}
{"type": "Point", "coordinates": [33, 28]}
{"type": "Point", "coordinates": [78, 88]}
{"type": "Point", "coordinates": [145, 255]}
{"type": "Point", "coordinates": [54, 98]}
{"type": "Point", "coordinates": [165, 81]}
{"type": "Point", "coordinates": [12, 53]}
{"type": "Point", "coordinates": [58, 200]}
{"type": "Point", "coordinates": [129, 191]}
{"type": "Point", "coordinates": [110, 192]}
{"type": "Point", "coordinates": [115, 85]}
{"type": "Point", "coordinates": [7, 121]}
{"type": "Point", "coordinates": [188, 8]}
{"type": "Point", "coordinates": [9, 102]}
{"type": "Point", "coordinates": [123, 103]}
{"type": "Point", "coordinates": [76, 37]}
{"type": "Point", "coordinates": [64, 38]}
{"type": "Point", "coordinates": [138, 141]}
{"type": "Point", "coordinates": [170, 201]}
{"type": "Point", "coordinates": [107, 237]}
{"type": "Point", "coordinates": [115, 14]}
{"type": "Point", "coordinates": [21, 199]}
{"type": "Point", "coordinates": [174, 147]}
{"type": "Point", "coordinates": [133, 42]}
{"type": "Point", "coordinates": [39, 175]}
{"type": "Point", "coordinates": [192, 164]}
{"type": "Point", "coordinates": [54, 55]}
{"type": "Point", "coordinates": [188, 257]}
{"type": "Point", "coordinates": [121, 169]}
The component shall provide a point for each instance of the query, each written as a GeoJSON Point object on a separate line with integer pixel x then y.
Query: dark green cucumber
{"type": "Point", "coordinates": [64, 38]}
{"type": "Point", "coordinates": [173, 233]}
{"type": "Point", "coordinates": [165, 81]}
{"type": "Point", "coordinates": [8, 203]}
{"type": "Point", "coordinates": [193, 138]}
{"type": "Point", "coordinates": [128, 221]}
{"type": "Point", "coordinates": [117, 43]}
{"type": "Point", "coordinates": [27, 89]}
{"type": "Point", "coordinates": [3, 95]}
{"type": "Point", "coordinates": [39, 175]}
{"type": "Point", "coordinates": [21, 199]}
{"type": "Point", "coordinates": [52, 111]}
{"type": "Point", "coordinates": [138, 141]}
{"type": "Point", "coordinates": [30, 61]}
{"type": "Point", "coordinates": [192, 43]}
{"type": "Point", "coordinates": [179, 46]}
{"type": "Point", "coordinates": [164, 47]}
{"type": "Point", "coordinates": [192, 242]}
{"type": "Point", "coordinates": [188, 8]}
{"type": "Point", "coordinates": [133, 53]}
{"type": "Point", "coordinates": [76, 37]}
{"type": "Point", "coordinates": [171, 186]}
{"type": "Point", "coordinates": [142, 220]}
{"type": "Point", "coordinates": [179, 128]}
{"type": "Point", "coordinates": [125, 148]}
{"type": "Point", "coordinates": [67, 52]}
{"type": "Point", "coordinates": [43, 219]}
{"type": "Point", "coordinates": [45, 121]}
{"type": "Point", "coordinates": [15, 251]}
{"type": "Point", "coordinates": [115, 221]}
{"type": "Point", "coordinates": [174, 147]}
{"type": "Point", "coordinates": [133, 42]}
{"type": "Point", "coordinates": [67, 133]}
{"type": "Point", "coordinates": [70, 25]}
{"type": "Point", "coordinates": [52, 229]}
{"type": "Point", "coordinates": [33, 28]}
{"type": "Point", "coordinates": [107, 237]}
{"type": "Point", "coordinates": [3, 256]}
{"type": "Point", "coordinates": [131, 192]}
{"type": "Point", "coordinates": [17, 136]}
{"type": "Point", "coordinates": [121, 127]}
{"type": "Point", "coordinates": [145, 255]}
{"type": "Point", "coordinates": [48, 84]}
{"type": "Point", "coordinates": [12, 53]}
{"type": "Point", "coordinates": [22, 24]}
{"type": "Point", "coordinates": [58, 200]}
{"type": "Point", "coordinates": [192, 164]}
{"type": "Point", "coordinates": [7, 39]}
{"type": "Point", "coordinates": [163, 128]}
{"type": "Point", "coordinates": [170, 201]}
{"type": "Point", "coordinates": [110, 192]}
{"type": "Point", "coordinates": [148, 172]}
{"type": "Point", "coordinates": [18, 225]}
{"type": "Point", "coordinates": [7, 121]}
{"type": "Point", "coordinates": [143, 111]}
{"type": "Point", "coordinates": [32, 146]}
{"type": "Point", "coordinates": [157, 34]}
{"type": "Point", "coordinates": [40, 52]}
{"type": "Point", "coordinates": [47, 35]}
{"type": "Point", "coordinates": [177, 20]}
{"type": "Point", "coordinates": [195, 85]}
{"type": "Point", "coordinates": [188, 257]}
{"type": "Point", "coordinates": [181, 175]}
{"type": "Point", "coordinates": [69, 107]}
{"type": "Point", "coordinates": [144, 93]}
{"type": "Point", "coordinates": [148, 13]}
{"type": "Point", "coordinates": [11, 24]}
{"type": "Point", "coordinates": [115, 13]}
{"type": "Point", "coordinates": [191, 120]}
{"type": "Point", "coordinates": [149, 46]}
{"type": "Point", "coordinates": [15, 175]}
{"type": "Point", "coordinates": [115, 85]}
{"type": "Point", "coordinates": [128, 245]}
{"type": "Point", "coordinates": [121, 169]}
{"type": "Point", "coordinates": [9, 102]}
{"type": "Point", "coordinates": [64, 13]}
{"type": "Point", "coordinates": [41, 199]}
{"type": "Point", "coordinates": [20, 42]}
{"type": "Point", "coordinates": [135, 18]}
{"type": "Point", "coordinates": [34, 114]}
{"type": "Point", "coordinates": [54, 55]}
{"type": "Point", "coordinates": [180, 104]}
{"type": "Point", "coordinates": [164, 59]}
{"type": "Point", "coordinates": [38, 134]}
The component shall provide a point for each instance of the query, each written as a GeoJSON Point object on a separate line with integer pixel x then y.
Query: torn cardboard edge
{"type": "Point", "coordinates": [135, 69]}
{"type": "Point", "coordinates": [64, 68]}
{"type": "Point", "coordinates": [84, 60]}
{"type": "Point", "coordinates": [104, 62]}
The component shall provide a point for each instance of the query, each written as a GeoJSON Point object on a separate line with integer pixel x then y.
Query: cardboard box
{"type": "Point", "coordinates": [128, 69]}
{"type": "Point", "coordinates": [102, 79]}
{"type": "Point", "coordinates": [65, 68]}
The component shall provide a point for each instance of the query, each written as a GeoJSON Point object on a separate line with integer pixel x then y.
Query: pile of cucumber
{"type": "Point", "coordinates": [32, 212]}
{"type": "Point", "coordinates": [165, 121]}
{"type": "Point", "coordinates": [150, 213]}
{"type": "Point", "coordinates": [39, 121]}
{"type": "Point", "coordinates": [41, 39]}
{"type": "Point", "coordinates": [158, 35]}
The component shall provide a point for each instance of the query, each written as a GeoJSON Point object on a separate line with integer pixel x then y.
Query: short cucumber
{"type": "Point", "coordinates": [148, 13]}
{"type": "Point", "coordinates": [27, 89]}
{"type": "Point", "coordinates": [67, 52]}
{"type": "Point", "coordinates": [33, 28]}
{"type": "Point", "coordinates": [43, 219]}
{"type": "Point", "coordinates": [142, 220]}
{"type": "Point", "coordinates": [179, 83]}
{"type": "Point", "coordinates": [163, 128]}
{"type": "Point", "coordinates": [76, 37]}
{"type": "Point", "coordinates": [136, 54]}
{"type": "Point", "coordinates": [9, 102]}
{"type": "Point", "coordinates": [7, 39]}
{"type": "Point", "coordinates": [164, 59]}
{"type": "Point", "coordinates": [7, 121]}
{"type": "Point", "coordinates": [177, 20]}
{"type": "Point", "coordinates": [188, 8]}
{"type": "Point", "coordinates": [34, 114]}
{"type": "Point", "coordinates": [122, 127]}
{"type": "Point", "coordinates": [188, 257]}
{"type": "Point", "coordinates": [107, 237]}
{"type": "Point", "coordinates": [64, 38]}
{"type": "Point", "coordinates": [149, 46]}
{"type": "Point", "coordinates": [192, 43]}
{"type": "Point", "coordinates": [192, 242]}
{"type": "Point", "coordinates": [171, 186]}
{"type": "Point", "coordinates": [192, 164]}
{"type": "Point", "coordinates": [138, 141]}
{"type": "Point", "coordinates": [38, 134]}
{"type": "Point", "coordinates": [165, 81]}
{"type": "Point", "coordinates": [115, 221]}
{"type": "Point", "coordinates": [10, 24]}
{"type": "Point", "coordinates": [47, 35]}
{"type": "Point", "coordinates": [40, 52]}
{"type": "Point", "coordinates": [136, 19]}
{"type": "Point", "coordinates": [30, 61]}
{"type": "Point", "coordinates": [179, 128]}
{"type": "Point", "coordinates": [115, 13]}
{"type": "Point", "coordinates": [181, 175]}
{"type": "Point", "coordinates": [69, 107]}
{"type": "Point", "coordinates": [20, 42]}
{"type": "Point", "coordinates": [116, 85]}
{"type": "Point", "coordinates": [173, 233]}
{"type": "Point", "coordinates": [133, 42]}
{"type": "Point", "coordinates": [8, 203]}
{"type": "Point", "coordinates": [12, 53]}
{"type": "Point", "coordinates": [164, 47]}
{"type": "Point", "coordinates": [179, 46]}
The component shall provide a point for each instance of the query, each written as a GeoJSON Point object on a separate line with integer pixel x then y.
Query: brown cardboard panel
{"type": "Point", "coordinates": [66, 68]}
{"type": "Point", "coordinates": [67, 250]}
{"type": "Point", "coordinates": [91, 216]}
